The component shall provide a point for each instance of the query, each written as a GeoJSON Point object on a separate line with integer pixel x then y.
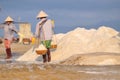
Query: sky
{"type": "Point", "coordinates": [67, 14]}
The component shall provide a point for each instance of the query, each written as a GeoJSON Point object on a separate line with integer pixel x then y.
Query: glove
{"type": "Point", "coordinates": [21, 35]}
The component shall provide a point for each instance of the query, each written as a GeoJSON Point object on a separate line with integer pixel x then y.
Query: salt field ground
{"type": "Point", "coordinates": [39, 71]}
{"type": "Point", "coordinates": [13, 70]}
{"type": "Point", "coordinates": [94, 56]}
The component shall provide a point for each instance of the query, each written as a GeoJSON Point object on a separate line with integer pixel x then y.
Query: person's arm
{"type": "Point", "coordinates": [13, 28]}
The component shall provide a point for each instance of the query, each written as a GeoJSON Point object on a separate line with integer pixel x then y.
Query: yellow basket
{"type": "Point", "coordinates": [41, 52]}
{"type": "Point", "coordinates": [53, 46]}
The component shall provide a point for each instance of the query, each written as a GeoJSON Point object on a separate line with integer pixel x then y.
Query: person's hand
{"type": "Point", "coordinates": [21, 35]}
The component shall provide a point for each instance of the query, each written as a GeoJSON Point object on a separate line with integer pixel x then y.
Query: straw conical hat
{"type": "Point", "coordinates": [42, 14]}
{"type": "Point", "coordinates": [8, 19]}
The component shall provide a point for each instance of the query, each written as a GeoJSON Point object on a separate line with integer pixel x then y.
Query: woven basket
{"type": "Point", "coordinates": [53, 46]}
{"type": "Point", "coordinates": [26, 41]}
{"type": "Point", "coordinates": [41, 52]}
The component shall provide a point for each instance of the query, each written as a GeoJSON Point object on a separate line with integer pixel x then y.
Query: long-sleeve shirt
{"type": "Point", "coordinates": [8, 30]}
{"type": "Point", "coordinates": [44, 32]}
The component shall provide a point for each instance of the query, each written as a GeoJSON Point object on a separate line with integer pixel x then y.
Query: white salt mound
{"type": "Point", "coordinates": [93, 59]}
{"type": "Point", "coordinates": [41, 47]}
{"type": "Point", "coordinates": [30, 55]}
{"type": "Point", "coordinates": [118, 36]}
{"type": "Point", "coordinates": [81, 41]}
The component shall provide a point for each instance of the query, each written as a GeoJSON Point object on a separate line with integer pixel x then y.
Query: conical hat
{"type": "Point", "coordinates": [8, 19]}
{"type": "Point", "coordinates": [42, 14]}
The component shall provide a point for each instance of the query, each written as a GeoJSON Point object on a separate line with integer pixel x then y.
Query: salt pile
{"type": "Point", "coordinates": [30, 55]}
{"type": "Point", "coordinates": [118, 36]}
{"type": "Point", "coordinates": [81, 41]}
{"type": "Point", "coordinates": [41, 47]}
{"type": "Point", "coordinates": [93, 59]}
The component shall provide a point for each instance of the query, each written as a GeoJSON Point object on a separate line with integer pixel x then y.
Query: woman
{"type": "Point", "coordinates": [44, 32]}
{"type": "Point", "coordinates": [9, 29]}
